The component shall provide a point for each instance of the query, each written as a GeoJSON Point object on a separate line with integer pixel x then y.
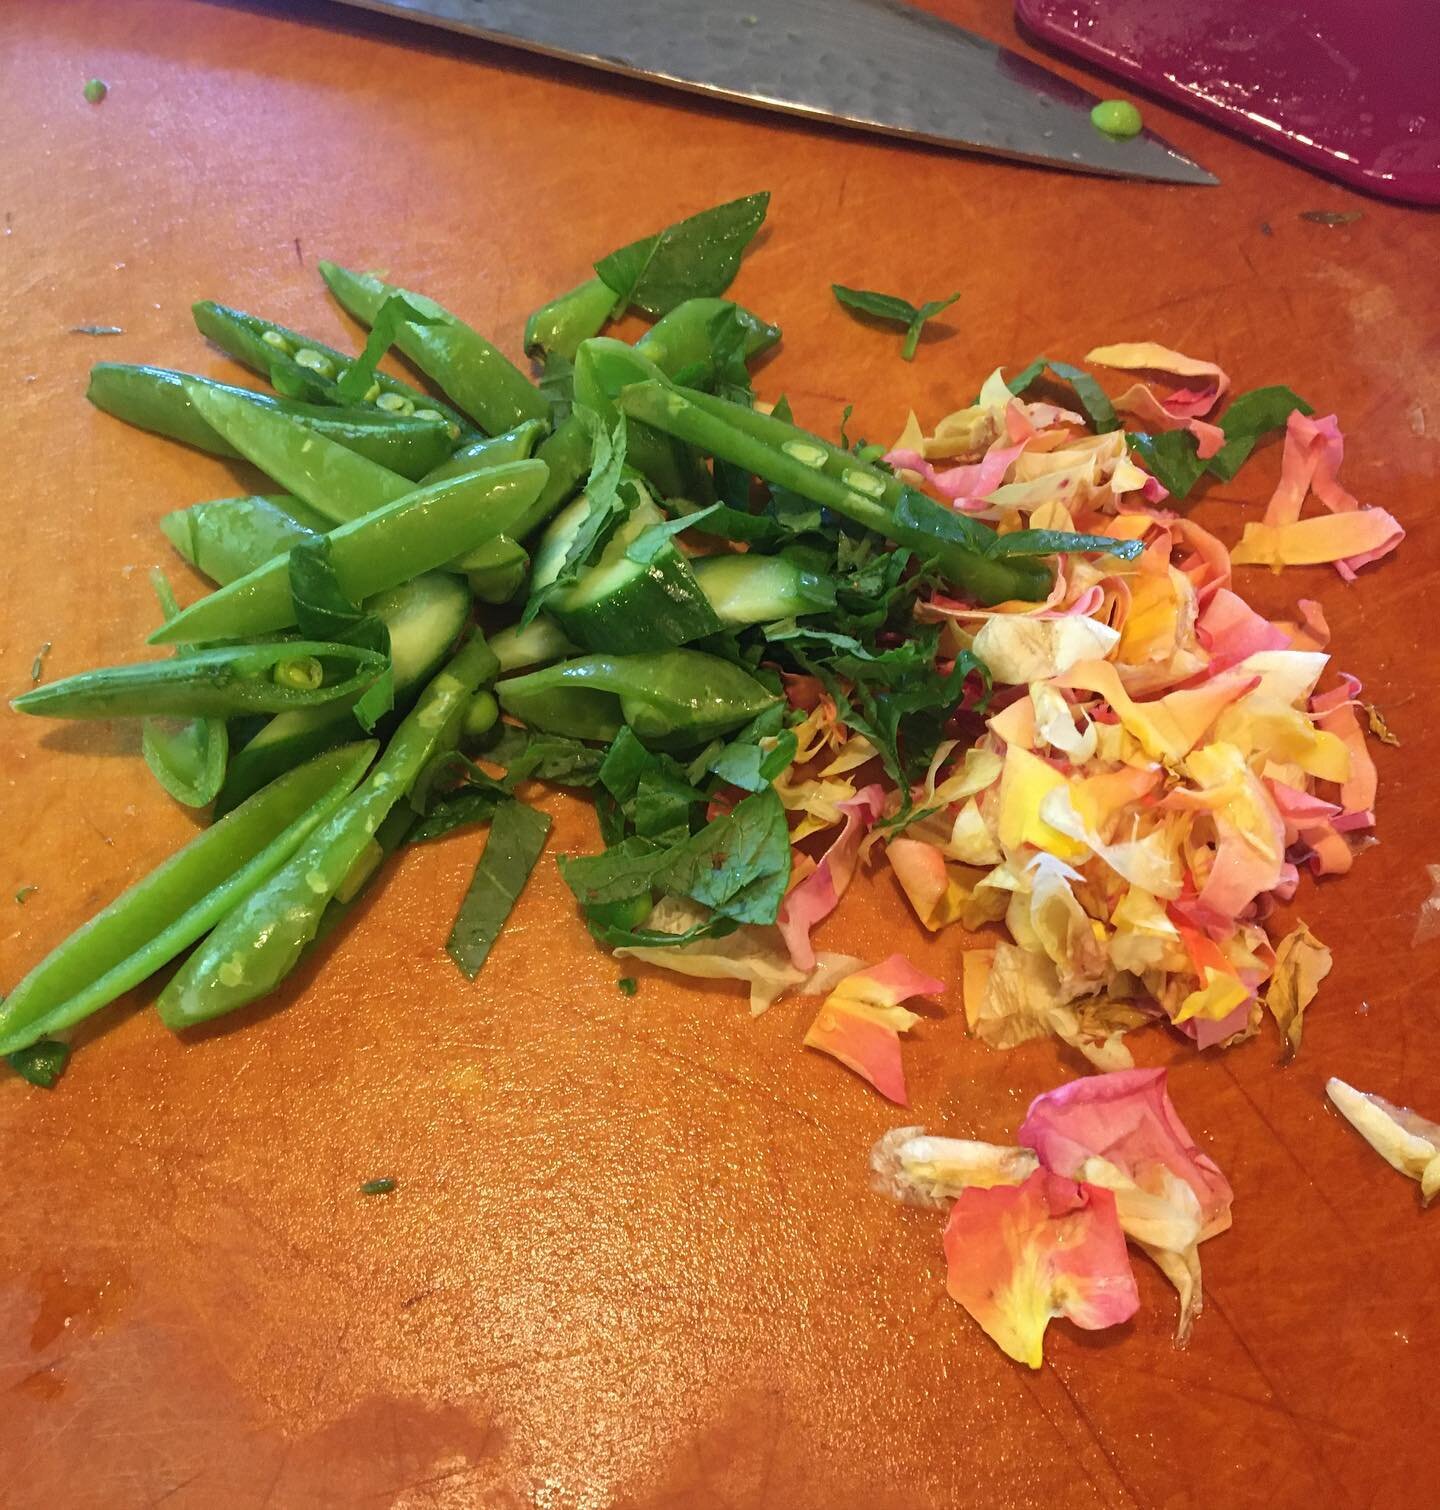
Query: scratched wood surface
{"type": "Point", "coordinates": [633, 1259]}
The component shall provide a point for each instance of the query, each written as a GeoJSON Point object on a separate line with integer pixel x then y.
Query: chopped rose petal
{"type": "Point", "coordinates": [1405, 1140]}
{"type": "Point", "coordinates": [918, 1170]}
{"type": "Point", "coordinates": [1347, 540]}
{"type": "Point", "coordinates": [1148, 356]}
{"type": "Point", "coordinates": [861, 1021]}
{"type": "Point", "coordinates": [1016, 649]}
{"type": "Point", "coordinates": [1127, 1118]}
{"type": "Point", "coordinates": [817, 896]}
{"type": "Point", "coordinates": [1301, 963]}
{"type": "Point", "coordinates": [1020, 1255]}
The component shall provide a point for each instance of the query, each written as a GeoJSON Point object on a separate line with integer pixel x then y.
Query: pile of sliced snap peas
{"type": "Point", "coordinates": [421, 563]}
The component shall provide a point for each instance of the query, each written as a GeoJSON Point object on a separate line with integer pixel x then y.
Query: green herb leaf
{"type": "Point", "coordinates": [42, 1063]}
{"type": "Point", "coordinates": [1093, 398]}
{"type": "Point", "coordinates": [529, 756]}
{"type": "Point", "coordinates": [751, 767]}
{"type": "Point", "coordinates": [1062, 542]}
{"type": "Point", "coordinates": [1171, 456]}
{"type": "Point", "coordinates": [382, 1186]}
{"type": "Point", "coordinates": [659, 538]}
{"type": "Point", "coordinates": [97, 330]}
{"type": "Point", "coordinates": [1250, 417]}
{"type": "Point", "coordinates": [37, 666]}
{"type": "Point", "coordinates": [557, 384]}
{"type": "Point", "coordinates": [25, 893]}
{"type": "Point", "coordinates": [738, 865]}
{"type": "Point", "coordinates": [1331, 217]}
{"type": "Point", "coordinates": [465, 809]}
{"type": "Point", "coordinates": [898, 311]}
{"type": "Point", "coordinates": [324, 612]}
{"type": "Point", "coordinates": [356, 381]}
{"type": "Point", "coordinates": [695, 258]}
{"type": "Point", "coordinates": [517, 837]}
{"type": "Point", "coordinates": [627, 985]}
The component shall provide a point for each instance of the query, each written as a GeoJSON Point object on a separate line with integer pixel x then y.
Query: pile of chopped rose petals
{"type": "Point", "coordinates": [1158, 765]}
{"type": "Point", "coordinates": [1039, 1230]}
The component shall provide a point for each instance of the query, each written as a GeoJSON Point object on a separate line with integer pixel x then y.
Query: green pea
{"type": "Point", "coordinates": [304, 673]}
{"type": "Point", "coordinates": [480, 716]}
{"type": "Point", "coordinates": [96, 90]}
{"type": "Point", "coordinates": [1117, 118]}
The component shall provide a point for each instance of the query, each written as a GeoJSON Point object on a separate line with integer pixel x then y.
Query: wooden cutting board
{"type": "Point", "coordinates": [633, 1259]}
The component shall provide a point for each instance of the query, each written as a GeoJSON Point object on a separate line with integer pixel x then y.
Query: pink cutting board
{"type": "Point", "coordinates": [1349, 87]}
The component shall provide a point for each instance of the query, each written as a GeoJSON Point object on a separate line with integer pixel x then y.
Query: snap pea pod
{"type": "Point", "coordinates": [311, 369]}
{"type": "Point", "coordinates": [227, 537]}
{"type": "Point", "coordinates": [221, 682]}
{"type": "Point", "coordinates": [566, 452]}
{"type": "Point", "coordinates": [832, 478]}
{"type": "Point", "coordinates": [602, 368]}
{"type": "Point", "coordinates": [675, 699]}
{"type": "Point", "coordinates": [422, 531]}
{"type": "Point", "coordinates": [559, 326]}
{"type": "Point", "coordinates": [476, 376]}
{"type": "Point", "coordinates": [491, 451]}
{"type": "Point", "coordinates": [147, 926]}
{"type": "Point", "coordinates": [157, 399]}
{"type": "Point", "coordinates": [257, 945]}
{"type": "Point", "coordinates": [187, 756]}
{"type": "Point", "coordinates": [335, 482]}
{"type": "Point", "coordinates": [497, 570]}
{"type": "Point", "coordinates": [684, 340]}
{"type": "Point", "coordinates": [541, 640]}
{"type": "Point", "coordinates": [423, 619]}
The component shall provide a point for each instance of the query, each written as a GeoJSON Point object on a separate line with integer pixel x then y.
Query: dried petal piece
{"type": "Point", "coordinates": [1301, 963]}
{"type": "Point", "coordinates": [919, 1170]}
{"type": "Point", "coordinates": [1020, 1255]}
{"type": "Point", "coordinates": [1404, 1139]}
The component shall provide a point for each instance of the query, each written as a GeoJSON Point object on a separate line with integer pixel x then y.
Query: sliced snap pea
{"type": "Point", "coordinates": [480, 379]}
{"type": "Point", "coordinates": [684, 340]}
{"type": "Point", "coordinates": [815, 470]}
{"type": "Point", "coordinates": [187, 756]}
{"type": "Point", "coordinates": [227, 537]}
{"type": "Point", "coordinates": [422, 531]}
{"type": "Point", "coordinates": [221, 682]}
{"type": "Point", "coordinates": [602, 368]}
{"type": "Point", "coordinates": [674, 699]}
{"type": "Point", "coordinates": [302, 367]}
{"type": "Point", "coordinates": [559, 326]}
{"type": "Point", "coordinates": [157, 399]}
{"type": "Point", "coordinates": [423, 618]}
{"type": "Point", "coordinates": [566, 453]}
{"type": "Point", "coordinates": [491, 451]}
{"type": "Point", "coordinates": [257, 945]}
{"type": "Point", "coordinates": [148, 925]}
{"type": "Point", "coordinates": [332, 480]}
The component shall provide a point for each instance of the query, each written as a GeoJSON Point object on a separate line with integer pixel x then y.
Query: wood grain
{"type": "Point", "coordinates": [633, 1259]}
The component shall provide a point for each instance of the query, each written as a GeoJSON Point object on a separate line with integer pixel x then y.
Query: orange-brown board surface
{"type": "Point", "coordinates": [633, 1258]}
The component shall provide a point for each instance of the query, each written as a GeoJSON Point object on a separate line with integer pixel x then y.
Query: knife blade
{"type": "Point", "coordinates": [874, 64]}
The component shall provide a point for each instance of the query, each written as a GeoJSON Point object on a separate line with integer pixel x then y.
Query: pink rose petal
{"type": "Point", "coordinates": [1019, 1255]}
{"type": "Point", "coordinates": [817, 896]}
{"type": "Point", "coordinates": [1126, 1117]}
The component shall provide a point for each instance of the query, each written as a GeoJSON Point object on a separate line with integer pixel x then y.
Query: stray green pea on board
{"type": "Point", "coordinates": [96, 90]}
{"type": "Point", "coordinates": [890, 307]}
{"type": "Point", "coordinates": [1117, 118]}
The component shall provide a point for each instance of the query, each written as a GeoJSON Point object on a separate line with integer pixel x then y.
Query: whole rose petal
{"type": "Point", "coordinates": [1020, 1255]}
